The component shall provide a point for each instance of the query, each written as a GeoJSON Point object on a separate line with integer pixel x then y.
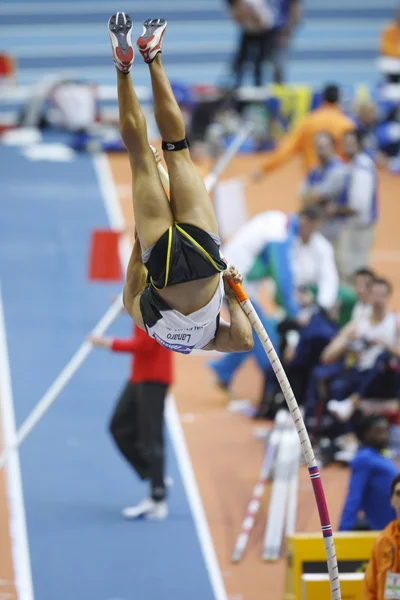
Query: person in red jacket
{"type": "Point", "coordinates": [138, 419]}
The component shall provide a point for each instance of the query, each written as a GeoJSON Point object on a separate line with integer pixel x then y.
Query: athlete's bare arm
{"type": "Point", "coordinates": [136, 278]}
{"type": "Point", "coordinates": [236, 336]}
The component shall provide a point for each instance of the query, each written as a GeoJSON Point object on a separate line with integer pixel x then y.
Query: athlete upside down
{"type": "Point", "coordinates": [176, 279]}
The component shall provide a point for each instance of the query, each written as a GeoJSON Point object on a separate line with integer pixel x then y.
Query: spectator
{"type": "Point", "coordinates": [324, 184]}
{"type": "Point", "coordinates": [381, 579]}
{"type": "Point", "coordinates": [366, 121]}
{"type": "Point", "coordinates": [267, 26]}
{"type": "Point", "coordinates": [313, 259]}
{"type": "Point", "coordinates": [359, 206]}
{"type": "Point", "coordinates": [351, 308]}
{"type": "Point", "coordinates": [256, 44]}
{"type": "Point", "coordinates": [306, 337]}
{"type": "Point", "coordinates": [370, 478]}
{"type": "Point", "coordinates": [375, 340]}
{"type": "Point", "coordinates": [138, 419]}
{"type": "Point", "coordinates": [363, 280]}
{"type": "Point", "coordinates": [286, 17]}
{"type": "Point", "coordinates": [328, 118]}
{"type": "Point", "coordinates": [354, 300]}
{"type": "Point", "coordinates": [390, 48]}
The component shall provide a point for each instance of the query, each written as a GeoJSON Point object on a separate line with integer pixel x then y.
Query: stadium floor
{"type": "Point", "coordinates": [71, 484]}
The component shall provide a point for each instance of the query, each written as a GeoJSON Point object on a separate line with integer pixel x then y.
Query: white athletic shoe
{"type": "Point", "coordinates": [342, 410]}
{"type": "Point", "coordinates": [120, 31]}
{"type": "Point", "coordinates": [168, 482]}
{"type": "Point", "coordinates": [150, 42]}
{"type": "Point", "coordinates": [147, 509]}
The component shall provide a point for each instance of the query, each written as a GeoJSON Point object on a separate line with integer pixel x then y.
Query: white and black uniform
{"type": "Point", "coordinates": [183, 253]}
{"type": "Point", "coordinates": [384, 332]}
{"type": "Point", "coordinates": [178, 332]}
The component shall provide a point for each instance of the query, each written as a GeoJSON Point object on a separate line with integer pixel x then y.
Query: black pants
{"type": "Point", "coordinates": [137, 427]}
{"type": "Point", "coordinates": [255, 48]}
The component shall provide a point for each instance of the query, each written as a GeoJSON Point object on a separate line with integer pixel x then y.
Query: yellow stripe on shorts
{"type": "Point", "coordinates": [167, 263]}
{"type": "Point", "coordinates": [189, 237]}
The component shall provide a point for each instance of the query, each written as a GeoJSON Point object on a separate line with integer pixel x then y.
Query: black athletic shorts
{"type": "Point", "coordinates": [183, 253]}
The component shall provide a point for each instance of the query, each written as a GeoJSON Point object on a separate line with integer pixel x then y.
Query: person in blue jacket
{"type": "Point", "coordinates": [371, 475]}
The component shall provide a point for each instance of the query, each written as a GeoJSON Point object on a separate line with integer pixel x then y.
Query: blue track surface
{"type": "Point", "coordinates": [74, 481]}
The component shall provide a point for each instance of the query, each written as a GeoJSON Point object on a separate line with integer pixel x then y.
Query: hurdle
{"type": "Point", "coordinates": [283, 503]}
{"type": "Point", "coordinates": [106, 321]}
{"type": "Point", "coordinates": [271, 448]}
{"type": "Point", "coordinates": [281, 465]}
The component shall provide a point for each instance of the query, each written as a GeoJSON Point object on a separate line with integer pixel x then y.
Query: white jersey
{"type": "Point", "coordinates": [361, 311]}
{"type": "Point", "coordinates": [314, 264]}
{"type": "Point", "coordinates": [384, 332]}
{"type": "Point", "coordinates": [182, 333]}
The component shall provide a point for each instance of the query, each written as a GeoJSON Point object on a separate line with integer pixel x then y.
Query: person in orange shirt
{"type": "Point", "coordinates": [382, 577]}
{"type": "Point", "coordinates": [390, 49]}
{"type": "Point", "coordinates": [390, 40]}
{"type": "Point", "coordinates": [327, 118]}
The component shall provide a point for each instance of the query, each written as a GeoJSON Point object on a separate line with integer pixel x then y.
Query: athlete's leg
{"type": "Point", "coordinates": [189, 198]}
{"type": "Point", "coordinates": [152, 211]}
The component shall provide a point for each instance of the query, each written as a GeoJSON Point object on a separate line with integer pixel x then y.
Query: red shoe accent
{"type": "Point", "coordinates": [142, 44]}
{"type": "Point", "coordinates": [124, 58]}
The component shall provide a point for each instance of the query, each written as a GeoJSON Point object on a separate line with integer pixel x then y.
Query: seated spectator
{"type": "Point", "coordinates": [354, 300]}
{"type": "Point", "coordinates": [304, 339]}
{"type": "Point", "coordinates": [370, 478]}
{"type": "Point", "coordinates": [324, 184]}
{"type": "Point", "coordinates": [352, 307]}
{"type": "Point", "coordinates": [381, 576]}
{"type": "Point", "coordinates": [363, 280]}
{"type": "Point", "coordinates": [390, 48]}
{"type": "Point", "coordinates": [374, 340]}
{"type": "Point", "coordinates": [359, 205]}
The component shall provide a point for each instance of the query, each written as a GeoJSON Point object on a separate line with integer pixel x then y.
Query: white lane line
{"type": "Point", "coordinates": [18, 530]}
